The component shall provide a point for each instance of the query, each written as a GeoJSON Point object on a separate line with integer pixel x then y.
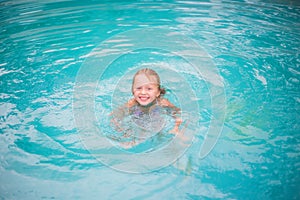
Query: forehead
{"type": "Point", "coordinates": [142, 79]}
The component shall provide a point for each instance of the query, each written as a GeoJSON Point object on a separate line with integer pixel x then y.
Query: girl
{"type": "Point", "coordinates": [147, 103]}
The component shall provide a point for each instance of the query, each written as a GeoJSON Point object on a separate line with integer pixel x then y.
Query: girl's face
{"type": "Point", "coordinates": [145, 91]}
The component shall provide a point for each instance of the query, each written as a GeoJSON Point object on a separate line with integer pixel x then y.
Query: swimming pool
{"type": "Point", "coordinates": [253, 53]}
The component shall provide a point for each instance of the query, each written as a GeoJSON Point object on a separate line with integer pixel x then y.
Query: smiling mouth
{"type": "Point", "coordinates": [143, 98]}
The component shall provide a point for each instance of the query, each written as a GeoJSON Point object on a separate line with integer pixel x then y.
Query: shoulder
{"type": "Point", "coordinates": [131, 103]}
{"type": "Point", "coordinates": [165, 102]}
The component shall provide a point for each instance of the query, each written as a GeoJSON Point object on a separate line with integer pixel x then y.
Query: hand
{"type": "Point", "coordinates": [175, 130]}
{"type": "Point", "coordinates": [180, 133]}
{"type": "Point", "coordinates": [127, 145]}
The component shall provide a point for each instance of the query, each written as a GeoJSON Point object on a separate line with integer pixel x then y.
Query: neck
{"type": "Point", "coordinates": [149, 105]}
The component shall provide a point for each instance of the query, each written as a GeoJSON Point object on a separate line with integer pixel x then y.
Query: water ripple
{"type": "Point", "coordinates": [255, 45]}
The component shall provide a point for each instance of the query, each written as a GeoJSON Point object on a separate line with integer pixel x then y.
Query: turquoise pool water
{"type": "Point", "coordinates": [252, 52]}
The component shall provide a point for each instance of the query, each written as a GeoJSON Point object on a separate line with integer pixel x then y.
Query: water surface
{"type": "Point", "coordinates": [255, 47]}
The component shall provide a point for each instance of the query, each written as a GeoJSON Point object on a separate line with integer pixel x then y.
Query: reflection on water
{"type": "Point", "coordinates": [255, 46]}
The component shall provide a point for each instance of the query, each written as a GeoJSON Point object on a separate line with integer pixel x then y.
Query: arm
{"type": "Point", "coordinates": [118, 114]}
{"type": "Point", "coordinates": [176, 111]}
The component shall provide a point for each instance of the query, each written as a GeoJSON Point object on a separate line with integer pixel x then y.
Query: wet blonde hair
{"type": "Point", "coordinates": [149, 73]}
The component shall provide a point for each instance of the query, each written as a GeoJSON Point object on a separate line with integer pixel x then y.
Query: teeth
{"type": "Point", "coordinates": [144, 98]}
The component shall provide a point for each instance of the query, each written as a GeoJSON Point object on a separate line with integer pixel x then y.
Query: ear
{"type": "Point", "coordinates": [158, 94]}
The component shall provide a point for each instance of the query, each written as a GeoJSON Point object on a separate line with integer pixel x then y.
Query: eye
{"type": "Point", "coordinates": [149, 89]}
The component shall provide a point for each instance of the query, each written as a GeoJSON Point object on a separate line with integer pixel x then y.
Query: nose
{"type": "Point", "coordinates": [143, 91]}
